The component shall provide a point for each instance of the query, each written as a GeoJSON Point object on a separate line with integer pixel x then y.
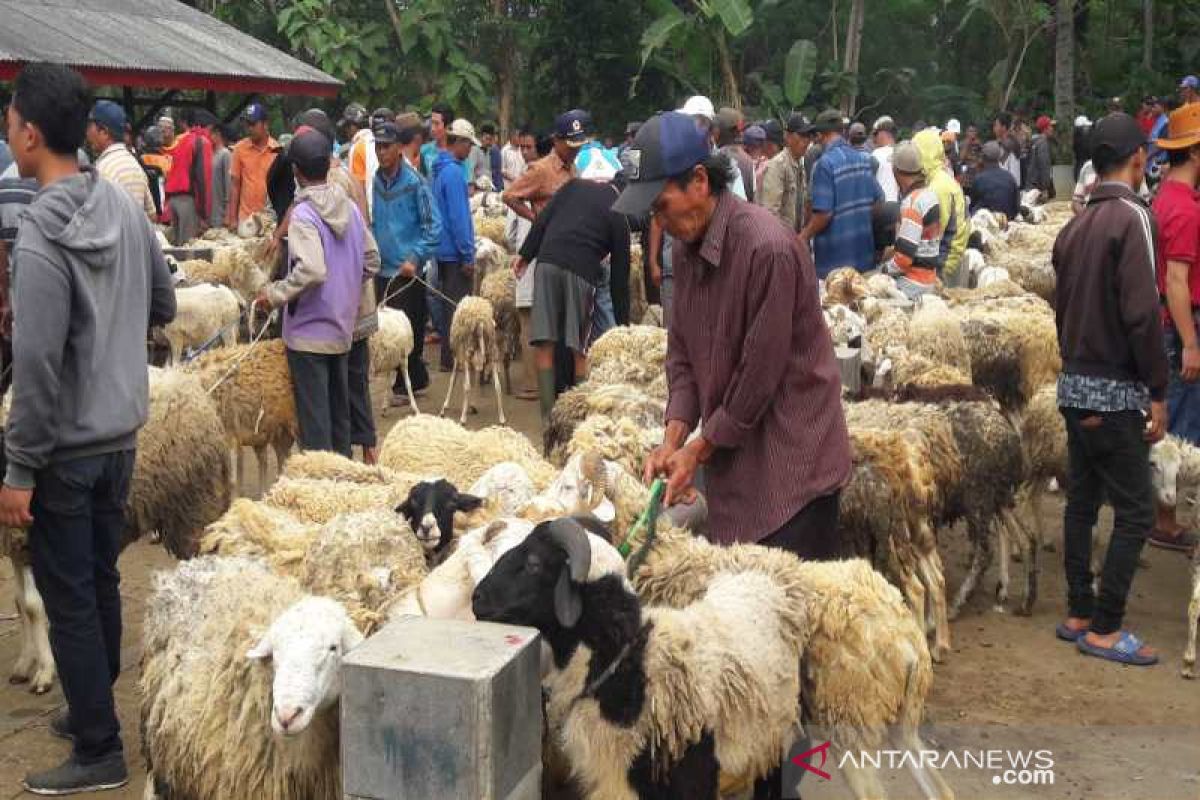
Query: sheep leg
{"type": "Point", "coordinates": [863, 780]}
{"type": "Point", "coordinates": [466, 394]}
{"type": "Point", "coordinates": [283, 449]}
{"type": "Point", "coordinates": [450, 388]}
{"type": "Point", "coordinates": [1032, 545]}
{"type": "Point", "coordinates": [914, 592]}
{"type": "Point", "coordinates": [239, 455]}
{"type": "Point", "coordinates": [1189, 654]}
{"type": "Point", "coordinates": [934, 580]}
{"type": "Point", "coordinates": [981, 558]}
{"type": "Point", "coordinates": [1004, 576]}
{"type": "Point", "coordinates": [933, 785]}
{"type": "Point", "coordinates": [175, 353]}
{"type": "Point", "coordinates": [412, 399]}
{"type": "Point", "coordinates": [35, 665]}
{"type": "Point", "coordinates": [260, 455]}
{"type": "Point", "coordinates": [496, 384]}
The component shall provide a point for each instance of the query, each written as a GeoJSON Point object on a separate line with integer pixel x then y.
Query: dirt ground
{"type": "Point", "coordinates": [1111, 731]}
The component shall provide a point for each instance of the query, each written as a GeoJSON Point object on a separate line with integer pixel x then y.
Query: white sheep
{"type": "Point", "coordinates": [202, 313]}
{"type": "Point", "coordinates": [474, 345]}
{"type": "Point", "coordinates": [240, 684]}
{"type": "Point", "coordinates": [391, 346]}
{"type": "Point", "coordinates": [636, 354]}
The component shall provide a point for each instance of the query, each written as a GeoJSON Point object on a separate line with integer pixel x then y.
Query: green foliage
{"type": "Point", "coordinates": [798, 71]}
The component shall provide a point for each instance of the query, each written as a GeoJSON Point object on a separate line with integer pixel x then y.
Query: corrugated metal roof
{"type": "Point", "coordinates": [150, 36]}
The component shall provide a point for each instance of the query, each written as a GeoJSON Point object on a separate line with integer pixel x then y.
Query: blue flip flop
{"type": "Point", "coordinates": [1068, 634]}
{"type": "Point", "coordinates": [1125, 651]}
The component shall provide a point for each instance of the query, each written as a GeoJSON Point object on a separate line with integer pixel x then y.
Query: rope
{"type": "Point", "coordinates": [237, 362]}
{"type": "Point", "coordinates": [389, 294]}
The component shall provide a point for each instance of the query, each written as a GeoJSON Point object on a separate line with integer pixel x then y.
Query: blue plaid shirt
{"type": "Point", "coordinates": [844, 185]}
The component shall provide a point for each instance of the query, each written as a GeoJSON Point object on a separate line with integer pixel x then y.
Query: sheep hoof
{"type": "Point", "coordinates": [17, 678]}
{"type": "Point", "coordinates": [938, 653]}
{"type": "Point", "coordinates": [42, 685]}
{"type": "Point", "coordinates": [1049, 547]}
{"type": "Point", "coordinates": [1189, 670]}
{"type": "Point", "coordinates": [1000, 608]}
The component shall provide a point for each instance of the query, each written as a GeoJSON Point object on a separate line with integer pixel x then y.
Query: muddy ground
{"type": "Point", "coordinates": [1111, 731]}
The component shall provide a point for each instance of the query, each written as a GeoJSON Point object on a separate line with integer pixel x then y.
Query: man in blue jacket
{"type": "Point", "coordinates": [407, 230]}
{"type": "Point", "coordinates": [455, 251]}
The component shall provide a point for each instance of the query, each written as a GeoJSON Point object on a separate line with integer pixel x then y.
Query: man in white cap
{"type": "Point", "coordinates": [884, 133]}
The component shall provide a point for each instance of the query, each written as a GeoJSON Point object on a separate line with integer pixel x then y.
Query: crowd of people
{"type": "Point", "coordinates": [737, 220]}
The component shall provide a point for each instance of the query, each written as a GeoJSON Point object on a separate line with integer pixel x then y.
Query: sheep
{"type": "Point", "coordinates": [473, 342]}
{"type": "Point", "coordinates": [500, 289]}
{"type": "Point", "coordinates": [390, 347]}
{"type": "Point", "coordinates": [636, 353]}
{"type": "Point", "coordinates": [252, 388]}
{"type": "Point", "coordinates": [622, 440]}
{"type": "Point", "coordinates": [239, 684]}
{"type": "Point", "coordinates": [428, 445]}
{"type": "Point", "coordinates": [236, 266]}
{"type": "Point", "coordinates": [589, 398]}
{"type": "Point", "coordinates": [654, 700]}
{"type": "Point", "coordinates": [1013, 344]}
{"type": "Point", "coordinates": [318, 501]}
{"type": "Point", "coordinates": [845, 286]}
{"type": "Point", "coordinates": [638, 303]}
{"type": "Point", "coordinates": [180, 484]}
{"type": "Point", "coordinates": [846, 327]}
{"type": "Point", "coordinates": [490, 255]}
{"type": "Point", "coordinates": [324, 465]}
{"type": "Point", "coordinates": [493, 230]}
{"type": "Point", "coordinates": [935, 333]}
{"type": "Point", "coordinates": [430, 508]}
{"type": "Point", "coordinates": [505, 488]}
{"type": "Point", "coordinates": [865, 669]}
{"type": "Point", "coordinates": [202, 313]}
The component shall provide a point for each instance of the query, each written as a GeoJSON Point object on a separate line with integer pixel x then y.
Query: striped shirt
{"type": "Point", "coordinates": [844, 186]}
{"type": "Point", "coordinates": [918, 237]}
{"type": "Point", "coordinates": [748, 352]}
{"type": "Point", "coordinates": [118, 165]}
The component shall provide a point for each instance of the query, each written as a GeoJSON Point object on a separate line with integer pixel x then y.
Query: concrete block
{"type": "Point", "coordinates": [850, 365]}
{"type": "Point", "coordinates": [443, 709]}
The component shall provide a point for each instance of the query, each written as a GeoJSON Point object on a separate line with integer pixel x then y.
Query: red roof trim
{"type": "Point", "coordinates": [100, 76]}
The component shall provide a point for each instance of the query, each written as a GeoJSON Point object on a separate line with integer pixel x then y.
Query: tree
{"type": "Point", "coordinates": [1020, 22]}
{"type": "Point", "coordinates": [854, 30]}
{"type": "Point", "coordinates": [710, 27]}
{"type": "Point", "coordinates": [1064, 77]}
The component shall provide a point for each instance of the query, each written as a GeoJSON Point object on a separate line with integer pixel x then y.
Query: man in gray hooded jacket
{"type": "Point", "coordinates": [88, 281]}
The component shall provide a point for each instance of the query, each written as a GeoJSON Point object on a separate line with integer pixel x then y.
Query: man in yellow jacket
{"type": "Point", "coordinates": [956, 225]}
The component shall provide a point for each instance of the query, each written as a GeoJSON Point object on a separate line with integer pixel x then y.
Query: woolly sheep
{"type": "Point", "coordinates": [621, 440]}
{"type": "Point", "coordinates": [324, 465]}
{"type": "Point", "coordinates": [428, 445]}
{"type": "Point", "coordinates": [1013, 344]}
{"type": "Point", "coordinates": [490, 256]}
{"type": "Point", "coordinates": [992, 275]}
{"type": "Point", "coordinates": [618, 400]}
{"type": "Point", "coordinates": [391, 345]}
{"type": "Point", "coordinates": [235, 265]}
{"type": "Point", "coordinates": [865, 670]}
{"type": "Point", "coordinates": [693, 686]}
{"type": "Point", "coordinates": [492, 230]}
{"type": "Point", "coordinates": [845, 286]}
{"type": "Point", "coordinates": [1175, 458]}
{"type": "Point", "coordinates": [233, 630]}
{"type": "Point", "coordinates": [638, 354]}
{"type": "Point", "coordinates": [473, 342]}
{"type": "Point", "coordinates": [846, 328]}
{"type": "Point", "coordinates": [252, 388]}
{"type": "Point", "coordinates": [180, 484]}
{"type": "Point", "coordinates": [638, 304]}
{"type": "Point", "coordinates": [319, 501]}
{"type": "Point", "coordinates": [202, 313]}
{"type": "Point", "coordinates": [500, 289]}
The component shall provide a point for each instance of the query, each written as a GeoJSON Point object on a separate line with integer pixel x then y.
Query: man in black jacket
{"type": "Point", "coordinates": [1114, 371]}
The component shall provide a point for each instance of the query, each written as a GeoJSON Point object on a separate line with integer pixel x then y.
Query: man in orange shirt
{"type": "Point", "coordinates": [252, 158]}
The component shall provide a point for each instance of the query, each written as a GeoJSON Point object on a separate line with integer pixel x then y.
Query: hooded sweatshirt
{"type": "Point", "coordinates": [89, 280]}
{"type": "Point", "coordinates": [456, 244]}
{"type": "Point", "coordinates": [330, 254]}
{"type": "Point", "coordinates": [956, 228]}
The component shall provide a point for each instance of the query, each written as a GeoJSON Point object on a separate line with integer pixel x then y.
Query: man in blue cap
{"type": "Point", "coordinates": [114, 162]}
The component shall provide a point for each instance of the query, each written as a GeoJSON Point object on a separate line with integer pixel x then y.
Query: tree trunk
{"type": "Point", "coordinates": [1012, 80]}
{"type": "Point", "coordinates": [728, 76]}
{"type": "Point", "coordinates": [1064, 80]}
{"type": "Point", "coordinates": [853, 46]}
{"type": "Point", "coordinates": [1148, 36]}
{"type": "Point", "coordinates": [506, 73]}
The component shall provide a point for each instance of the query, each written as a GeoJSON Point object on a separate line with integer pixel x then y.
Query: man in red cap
{"type": "Point", "coordinates": [1041, 173]}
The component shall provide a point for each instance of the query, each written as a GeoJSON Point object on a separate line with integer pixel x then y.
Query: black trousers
{"type": "Point", "coordinates": [411, 300]}
{"type": "Point", "coordinates": [78, 519]}
{"type": "Point", "coordinates": [455, 284]}
{"type": "Point", "coordinates": [320, 383]}
{"type": "Point", "coordinates": [358, 378]}
{"type": "Point", "coordinates": [813, 533]}
{"type": "Point", "coordinates": [1108, 456]}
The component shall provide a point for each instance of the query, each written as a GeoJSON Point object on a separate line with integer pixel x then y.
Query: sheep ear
{"type": "Point", "coordinates": [405, 508]}
{"type": "Point", "coordinates": [568, 604]}
{"type": "Point", "coordinates": [262, 650]}
{"type": "Point", "coordinates": [467, 502]}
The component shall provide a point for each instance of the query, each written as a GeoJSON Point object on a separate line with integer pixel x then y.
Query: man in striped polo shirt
{"type": "Point", "coordinates": [114, 162]}
{"type": "Point", "coordinates": [917, 255]}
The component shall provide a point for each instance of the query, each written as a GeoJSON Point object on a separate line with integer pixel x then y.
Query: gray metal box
{"type": "Point", "coordinates": [443, 710]}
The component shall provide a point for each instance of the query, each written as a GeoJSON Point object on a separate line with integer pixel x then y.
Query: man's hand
{"type": "Point", "coordinates": [656, 274]}
{"type": "Point", "coordinates": [14, 507]}
{"type": "Point", "coordinates": [1190, 370]}
{"type": "Point", "coordinates": [1156, 426]}
{"type": "Point", "coordinates": [519, 265]}
{"type": "Point", "coordinates": [263, 300]}
{"type": "Point", "coordinates": [681, 470]}
{"type": "Point", "coordinates": [656, 462]}
{"type": "Point", "coordinates": [408, 269]}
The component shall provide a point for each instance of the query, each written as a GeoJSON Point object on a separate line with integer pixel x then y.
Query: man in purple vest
{"type": "Point", "coordinates": [330, 254]}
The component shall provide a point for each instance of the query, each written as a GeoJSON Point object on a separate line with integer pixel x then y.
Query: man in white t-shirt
{"type": "Point", "coordinates": [884, 134]}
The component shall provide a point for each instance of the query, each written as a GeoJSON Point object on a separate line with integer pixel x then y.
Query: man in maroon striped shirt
{"type": "Point", "coordinates": [748, 353]}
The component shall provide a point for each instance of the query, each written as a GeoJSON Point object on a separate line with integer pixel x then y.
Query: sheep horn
{"type": "Point", "coordinates": [591, 467]}
{"type": "Point", "coordinates": [568, 534]}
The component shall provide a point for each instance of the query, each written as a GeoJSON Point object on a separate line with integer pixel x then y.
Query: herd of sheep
{"type": "Point", "coordinates": [952, 420]}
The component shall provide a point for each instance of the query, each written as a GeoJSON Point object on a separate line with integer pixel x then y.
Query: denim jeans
{"type": "Point", "coordinates": [604, 317]}
{"type": "Point", "coordinates": [358, 380]}
{"type": "Point", "coordinates": [320, 385]}
{"type": "Point", "coordinates": [1108, 456]}
{"type": "Point", "coordinates": [1183, 399]}
{"type": "Point", "coordinates": [78, 520]}
{"type": "Point", "coordinates": [439, 313]}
